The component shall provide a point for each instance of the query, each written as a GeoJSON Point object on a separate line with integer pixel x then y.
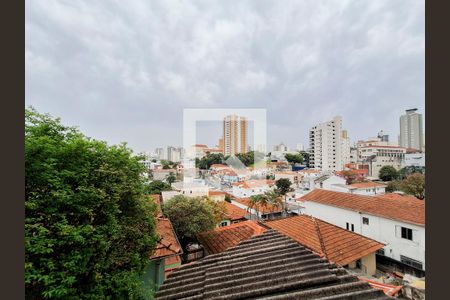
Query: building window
{"type": "Point", "coordinates": [411, 262]}
{"type": "Point", "coordinates": [225, 223]}
{"type": "Point", "coordinates": [365, 221]}
{"type": "Point", "coordinates": [407, 233]}
{"type": "Point", "coordinates": [353, 227]}
{"type": "Point", "coordinates": [347, 226]}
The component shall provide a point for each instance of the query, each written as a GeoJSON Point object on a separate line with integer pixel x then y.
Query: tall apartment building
{"type": "Point", "coordinates": [174, 154]}
{"type": "Point", "coordinates": [159, 152]}
{"type": "Point", "coordinates": [326, 145]}
{"type": "Point", "coordinates": [411, 130]}
{"type": "Point", "coordinates": [280, 147]}
{"type": "Point", "coordinates": [235, 135]}
{"type": "Point", "coordinates": [221, 145]}
{"type": "Point", "coordinates": [345, 146]}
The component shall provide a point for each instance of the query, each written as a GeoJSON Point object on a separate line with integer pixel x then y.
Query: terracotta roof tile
{"type": "Point", "coordinates": [234, 213]}
{"type": "Point", "coordinates": [402, 209]}
{"type": "Point", "coordinates": [361, 185]}
{"type": "Point", "coordinates": [270, 265]}
{"type": "Point", "coordinates": [222, 238]}
{"type": "Point", "coordinates": [168, 243]}
{"type": "Point", "coordinates": [248, 184]}
{"type": "Point", "coordinates": [336, 244]}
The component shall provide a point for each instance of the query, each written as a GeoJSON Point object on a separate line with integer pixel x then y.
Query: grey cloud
{"type": "Point", "coordinates": [124, 72]}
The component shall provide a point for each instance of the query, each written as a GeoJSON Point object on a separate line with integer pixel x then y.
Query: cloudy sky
{"type": "Point", "coordinates": [125, 70]}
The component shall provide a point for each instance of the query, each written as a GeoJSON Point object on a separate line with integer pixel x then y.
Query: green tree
{"type": "Point", "coordinates": [171, 178]}
{"type": "Point", "coordinates": [283, 187]}
{"type": "Point", "coordinates": [392, 186]}
{"type": "Point", "coordinates": [296, 158]}
{"type": "Point", "coordinates": [414, 185]}
{"type": "Point", "coordinates": [88, 228]}
{"type": "Point", "coordinates": [189, 216]}
{"type": "Point", "coordinates": [274, 200]}
{"type": "Point", "coordinates": [388, 173]}
{"type": "Point", "coordinates": [156, 187]}
{"type": "Point", "coordinates": [206, 161]}
{"type": "Point", "coordinates": [257, 201]}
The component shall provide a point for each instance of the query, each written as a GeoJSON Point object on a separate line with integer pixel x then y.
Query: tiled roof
{"type": "Point", "coordinates": [407, 210]}
{"type": "Point", "coordinates": [269, 266]}
{"type": "Point", "coordinates": [168, 243]}
{"type": "Point", "coordinates": [361, 185]}
{"type": "Point", "coordinates": [222, 238]}
{"type": "Point", "coordinates": [214, 166]}
{"type": "Point", "coordinates": [396, 196]}
{"type": "Point", "coordinates": [216, 193]}
{"type": "Point", "coordinates": [234, 213]}
{"type": "Point", "coordinates": [334, 243]}
{"type": "Point", "coordinates": [261, 209]}
{"type": "Point", "coordinates": [248, 184]}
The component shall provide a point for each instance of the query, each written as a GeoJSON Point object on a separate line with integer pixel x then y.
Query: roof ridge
{"type": "Point", "coordinates": [319, 235]}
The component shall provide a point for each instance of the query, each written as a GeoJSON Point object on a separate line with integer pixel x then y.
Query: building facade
{"type": "Point", "coordinates": [411, 130]}
{"type": "Point", "coordinates": [326, 146]}
{"type": "Point", "coordinates": [235, 135]}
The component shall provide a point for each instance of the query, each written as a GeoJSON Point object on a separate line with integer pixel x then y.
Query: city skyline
{"type": "Point", "coordinates": [142, 65]}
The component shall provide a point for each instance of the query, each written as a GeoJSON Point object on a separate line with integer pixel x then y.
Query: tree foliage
{"type": "Point", "coordinates": [388, 173]}
{"type": "Point", "coordinates": [296, 158]}
{"type": "Point", "coordinates": [171, 178]}
{"type": "Point", "coordinates": [156, 187]}
{"type": "Point", "coordinates": [209, 159]}
{"type": "Point", "coordinates": [191, 215]}
{"type": "Point", "coordinates": [283, 186]}
{"type": "Point", "coordinates": [414, 185]}
{"type": "Point", "coordinates": [88, 228]}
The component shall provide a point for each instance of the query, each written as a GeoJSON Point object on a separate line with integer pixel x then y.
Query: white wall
{"type": "Point", "coordinates": [241, 192]}
{"type": "Point", "coordinates": [380, 229]}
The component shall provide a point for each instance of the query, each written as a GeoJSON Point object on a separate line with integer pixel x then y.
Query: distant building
{"type": "Point", "coordinates": [221, 145]}
{"type": "Point", "coordinates": [377, 157]}
{"type": "Point", "coordinates": [159, 152]}
{"type": "Point", "coordinates": [280, 148]}
{"type": "Point", "coordinates": [383, 137]}
{"type": "Point", "coordinates": [300, 147]}
{"type": "Point", "coordinates": [235, 135]}
{"type": "Point", "coordinates": [252, 187]}
{"type": "Point", "coordinates": [415, 159]}
{"type": "Point", "coordinates": [174, 154]}
{"type": "Point", "coordinates": [345, 145]}
{"type": "Point", "coordinates": [326, 145]}
{"type": "Point", "coordinates": [411, 130]}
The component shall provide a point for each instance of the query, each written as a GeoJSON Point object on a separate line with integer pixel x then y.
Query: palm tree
{"type": "Point", "coordinates": [255, 202]}
{"type": "Point", "coordinates": [273, 199]}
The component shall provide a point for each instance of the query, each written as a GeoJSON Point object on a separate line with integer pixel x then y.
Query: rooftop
{"type": "Point", "coordinates": [223, 238]}
{"type": "Point", "coordinates": [269, 266]}
{"type": "Point", "coordinates": [403, 209]}
{"type": "Point", "coordinates": [167, 244]}
{"type": "Point", "coordinates": [233, 212]}
{"type": "Point", "coordinates": [370, 184]}
{"type": "Point", "coordinates": [261, 209]}
{"type": "Point", "coordinates": [332, 242]}
{"type": "Point", "coordinates": [248, 184]}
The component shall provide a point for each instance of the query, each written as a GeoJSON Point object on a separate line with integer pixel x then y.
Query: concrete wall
{"type": "Point", "coordinates": [384, 230]}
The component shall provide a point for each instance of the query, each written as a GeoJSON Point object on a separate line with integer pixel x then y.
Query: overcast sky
{"type": "Point", "coordinates": [125, 70]}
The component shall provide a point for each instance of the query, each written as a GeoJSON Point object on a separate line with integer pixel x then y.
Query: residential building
{"type": "Point", "coordinates": [345, 146]}
{"type": "Point", "coordinates": [343, 247]}
{"type": "Point", "coordinates": [221, 145]}
{"type": "Point", "coordinates": [398, 222]}
{"type": "Point", "coordinates": [233, 214]}
{"type": "Point", "coordinates": [326, 146]}
{"type": "Point", "coordinates": [161, 174]}
{"type": "Point", "coordinates": [216, 195]}
{"type": "Point", "coordinates": [415, 159]}
{"type": "Point", "coordinates": [174, 154]}
{"type": "Point", "coordinates": [292, 176]}
{"type": "Point", "coordinates": [159, 153]}
{"type": "Point", "coordinates": [235, 135]}
{"type": "Point", "coordinates": [167, 254]}
{"type": "Point", "coordinates": [377, 157]}
{"type": "Point", "coordinates": [280, 148]}
{"type": "Point", "coordinates": [360, 188]}
{"type": "Point", "coordinates": [383, 137]}
{"type": "Point", "coordinates": [411, 130]}
{"type": "Point", "coordinates": [261, 212]}
{"type": "Point", "coordinates": [300, 147]}
{"type": "Point", "coordinates": [252, 187]}
{"type": "Point", "coordinates": [353, 158]}
{"type": "Point", "coordinates": [269, 265]}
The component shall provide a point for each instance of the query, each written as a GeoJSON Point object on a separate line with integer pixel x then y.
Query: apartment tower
{"type": "Point", "coordinates": [235, 135]}
{"type": "Point", "coordinates": [411, 130]}
{"type": "Point", "coordinates": [326, 146]}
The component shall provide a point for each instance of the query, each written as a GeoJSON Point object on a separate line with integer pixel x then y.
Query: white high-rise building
{"type": "Point", "coordinates": [345, 144]}
{"type": "Point", "coordinates": [327, 146]}
{"type": "Point", "coordinates": [411, 130]}
{"type": "Point", "coordinates": [300, 147]}
{"type": "Point", "coordinates": [174, 154]}
{"type": "Point", "coordinates": [281, 147]}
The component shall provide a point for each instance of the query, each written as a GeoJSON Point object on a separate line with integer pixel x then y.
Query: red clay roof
{"type": "Point", "coordinates": [396, 196]}
{"type": "Point", "coordinates": [336, 244]}
{"type": "Point", "coordinates": [361, 185]}
{"type": "Point", "coordinates": [168, 243]}
{"type": "Point", "coordinates": [222, 238]}
{"type": "Point", "coordinates": [216, 193]}
{"type": "Point", "coordinates": [402, 209]}
{"type": "Point", "coordinates": [233, 212]}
